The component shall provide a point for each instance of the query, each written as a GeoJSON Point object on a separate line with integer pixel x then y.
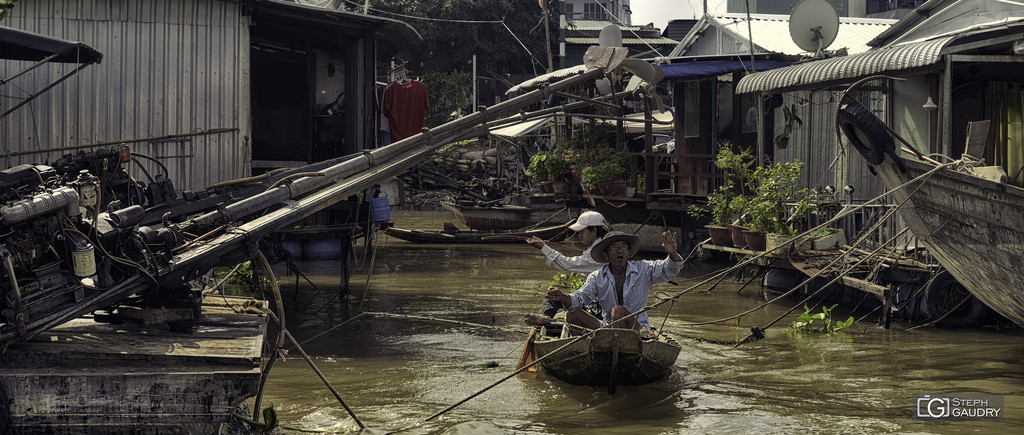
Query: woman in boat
{"type": "Point", "coordinates": [590, 227]}
{"type": "Point", "coordinates": [621, 286]}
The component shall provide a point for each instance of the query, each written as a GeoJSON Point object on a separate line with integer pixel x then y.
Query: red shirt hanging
{"type": "Point", "coordinates": [405, 105]}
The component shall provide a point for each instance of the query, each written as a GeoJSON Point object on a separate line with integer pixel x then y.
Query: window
{"type": "Point", "coordinates": [691, 96]}
{"type": "Point", "coordinates": [592, 11]}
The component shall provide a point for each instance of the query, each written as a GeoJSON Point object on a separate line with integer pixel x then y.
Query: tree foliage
{"type": "Point", "coordinates": [450, 40]}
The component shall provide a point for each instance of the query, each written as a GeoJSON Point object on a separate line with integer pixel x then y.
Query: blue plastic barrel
{"type": "Point", "coordinates": [380, 209]}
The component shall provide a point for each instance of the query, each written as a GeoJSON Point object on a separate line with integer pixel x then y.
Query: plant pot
{"type": "Point", "coordinates": [785, 244]}
{"type": "Point", "coordinates": [781, 142]}
{"type": "Point", "coordinates": [560, 186]}
{"type": "Point", "coordinates": [545, 187]}
{"type": "Point", "coordinates": [831, 241]}
{"type": "Point", "coordinates": [613, 188]}
{"type": "Point", "coordinates": [737, 235]}
{"type": "Point", "coordinates": [755, 240]}
{"type": "Point", "coordinates": [720, 236]}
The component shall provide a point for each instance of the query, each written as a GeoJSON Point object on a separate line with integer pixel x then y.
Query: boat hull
{"type": "Point", "coordinates": [612, 356]}
{"type": "Point", "coordinates": [971, 225]}
{"type": "Point", "coordinates": [508, 217]}
{"type": "Point", "coordinates": [555, 232]}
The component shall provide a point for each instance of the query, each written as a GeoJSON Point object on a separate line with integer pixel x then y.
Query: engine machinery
{"type": "Point", "coordinates": [69, 233]}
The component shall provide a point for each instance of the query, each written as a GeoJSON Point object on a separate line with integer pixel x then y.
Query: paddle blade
{"type": "Point", "coordinates": [529, 353]}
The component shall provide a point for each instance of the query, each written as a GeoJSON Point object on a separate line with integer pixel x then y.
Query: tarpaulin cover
{"type": "Point", "coordinates": [711, 68]}
{"type": "Point", "coordinates": [521, 128]}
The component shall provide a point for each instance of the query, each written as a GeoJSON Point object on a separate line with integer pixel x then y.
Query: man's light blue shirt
{"type": "Point", "coordinates": [640, 275]}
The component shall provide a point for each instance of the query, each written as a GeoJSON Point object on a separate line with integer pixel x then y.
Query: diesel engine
{"type": "Point", "coordinates": [69, 237]}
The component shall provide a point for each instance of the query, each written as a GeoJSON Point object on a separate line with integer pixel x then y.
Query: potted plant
{"type": "Point", "coordinates": [605, 171]}
{"type": "Point", "coordinates": [727, 201]}
{"type": "Point", "coordinates": [774, 185]}
{"type": "Point", "coordinates": [790, 116]}
{"type": "Point", "coordinates": [539, 172]}
{"type": "Point", "coordinates": [559, 170]}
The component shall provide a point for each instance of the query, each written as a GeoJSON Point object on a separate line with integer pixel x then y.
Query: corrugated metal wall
{"type": "Point", "coordinates": [826, 162]}
{"type": "Point", "coordinates": [169, 68]}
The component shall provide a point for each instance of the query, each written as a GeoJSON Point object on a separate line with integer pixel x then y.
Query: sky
{"type": "Point", "coordinates": [660, 12]}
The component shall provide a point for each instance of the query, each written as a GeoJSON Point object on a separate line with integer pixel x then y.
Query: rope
{"type": "Point", "coordinates": [284, 332]}
{"type": "Point", "coordinates": [435, 319]}
{"type": "Point", "coordinates": [538, 224]}
{"type": "Point", "coordinates": [758, 332]}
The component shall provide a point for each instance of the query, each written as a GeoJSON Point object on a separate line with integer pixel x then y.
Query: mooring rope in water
{"type": "Point", "coordinates": [284, 333]}
{"type": "Point", "coordinates": [436, 319]}
{"type": "Point", "coordinates": [757, 333]}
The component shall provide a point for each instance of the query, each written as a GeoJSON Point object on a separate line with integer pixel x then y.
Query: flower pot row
{"type": "Point", "coordinates": [743, 237]}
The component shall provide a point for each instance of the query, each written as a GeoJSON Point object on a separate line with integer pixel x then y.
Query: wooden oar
{"type": "Point", "coordinates": [529, 353]}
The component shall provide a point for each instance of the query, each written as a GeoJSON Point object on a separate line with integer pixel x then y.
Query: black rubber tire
{"type": "Point", "coordinates": [865, 132]}
{"type": "Point", "coordinates": [945, 292]}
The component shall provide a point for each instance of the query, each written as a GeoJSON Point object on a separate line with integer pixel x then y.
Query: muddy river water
{"type": "Point", "coordinates": [394, 372]}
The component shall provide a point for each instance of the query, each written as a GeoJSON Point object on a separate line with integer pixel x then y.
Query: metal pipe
{"type": "Point", "coordinates": [401, 149]}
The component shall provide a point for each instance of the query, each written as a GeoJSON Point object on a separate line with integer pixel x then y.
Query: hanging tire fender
{"type": "Point", "coordinates": [865, 132]}
{"type": "Point", "coordinates": [943, 293]}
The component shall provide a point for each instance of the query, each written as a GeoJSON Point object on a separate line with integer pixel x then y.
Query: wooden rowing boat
{"type": "Point", "coordinates": [509, 217]}
{"type": "Point", "coordinates": [609, 357]}
{"type": "Point", "coordinates": [477, 236]}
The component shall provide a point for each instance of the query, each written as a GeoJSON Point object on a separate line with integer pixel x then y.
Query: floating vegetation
{"type": "Point", "coordinates": [819, 322]}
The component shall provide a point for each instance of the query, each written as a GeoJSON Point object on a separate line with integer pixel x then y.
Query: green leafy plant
{"type": "Point", "coordinates": [607, 165]}
{"type": "Point", "coordinates": [819, 322]}
{"type": "Point", "coordinates": [789, 114]}
{"type": "Point", "coordinates": [728, 200]}
{"type": "Point", "coordinates": [567, 282]}
{"type": "Point", "coordinates": [591, 157]}
{"type": "Point", "coordinates": [538, 166]}
{"type": "Point", "coordinates": [559, 167]}
{"type": "Point", "coordinates": [243, 275]}
{"type": "Point", "coordinates": [774, 185]}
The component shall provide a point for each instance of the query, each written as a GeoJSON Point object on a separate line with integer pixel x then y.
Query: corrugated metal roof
{"type": "Point", "coordinates": [846, 68]}
{"type": "Point", "coordinates": [545, 78]}
{"type": "Point", "coordinates": [949, 17]}
{"type": "Point", "coordinates": [596, 25]}
{"type": "Point", "coordinates": [771, 33]}
{"type": "Point", "coordinates": [625, 41]}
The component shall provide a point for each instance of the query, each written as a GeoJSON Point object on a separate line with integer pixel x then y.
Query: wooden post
{"type": "Point", "coordinates": [887, 314]}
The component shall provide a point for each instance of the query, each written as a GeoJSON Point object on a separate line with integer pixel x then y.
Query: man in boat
{"type": "Point", "coordinates": [621, 286]}
{"type": "Point", "coordinates": [590, 227]}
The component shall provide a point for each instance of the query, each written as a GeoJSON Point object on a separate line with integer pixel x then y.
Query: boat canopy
{"type": "Point", "coordinates": [22, 45]}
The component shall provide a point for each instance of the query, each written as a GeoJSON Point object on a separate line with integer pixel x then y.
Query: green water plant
{"type": "Point", "coordinates": [820, 323]}
{"type": "Point", "coordinates": [567, 282]}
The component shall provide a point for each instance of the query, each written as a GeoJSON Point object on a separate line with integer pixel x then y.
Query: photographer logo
{"type": "Point", "coordinates": [959, 406]}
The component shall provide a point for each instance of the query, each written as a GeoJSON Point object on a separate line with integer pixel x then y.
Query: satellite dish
{"type": "Point", "coordinates": [610, 36]}
{"type": "Point", "coordinates": [813, 25]}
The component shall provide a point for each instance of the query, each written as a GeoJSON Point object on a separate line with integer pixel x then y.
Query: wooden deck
{"type": "Point", "coordinates": [88, 377]}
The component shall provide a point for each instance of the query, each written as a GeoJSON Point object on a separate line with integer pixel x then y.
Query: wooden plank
{"type": "Point", "coordinates": [89, 377]}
